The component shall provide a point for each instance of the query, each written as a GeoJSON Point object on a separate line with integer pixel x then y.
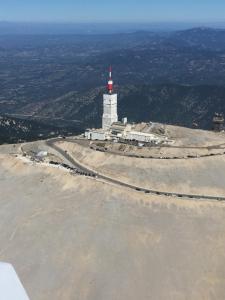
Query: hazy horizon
{"type": "Point", "coordinates": [7, 27]}
{"type": "Point", "coordinates": [114, 11]}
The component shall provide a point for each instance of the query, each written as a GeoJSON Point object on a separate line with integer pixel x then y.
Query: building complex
{"type": "Point", "coordinates": [115, 130]}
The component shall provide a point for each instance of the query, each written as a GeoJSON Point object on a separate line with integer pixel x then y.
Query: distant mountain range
{"type": "Point", "coordinates": [203, 38]}
{"type": "Point", "coordinates": [32, 28]}
{"type": "Point", "coordinates": [173, 77]}
{"type": "Point", "coordinates": [168, 103]}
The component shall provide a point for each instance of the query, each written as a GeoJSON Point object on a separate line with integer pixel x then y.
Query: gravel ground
{"type": "Point", "coordinates": [191, 143]}
{"type": "Point", "coordinates": [201, 176]}
{"type": "Point", "coordinates": [70, 237]}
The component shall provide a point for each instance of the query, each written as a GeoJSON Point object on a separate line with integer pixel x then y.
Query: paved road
{"type": "Point", "coordinates": [212, 147]}
{"type": "Point", "coordinates": [52, 143]}
{"type": "Point", "coordinates": [215, 147]}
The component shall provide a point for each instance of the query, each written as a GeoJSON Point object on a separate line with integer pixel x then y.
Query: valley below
{"type": "Point", "coordinates": [114, 219]}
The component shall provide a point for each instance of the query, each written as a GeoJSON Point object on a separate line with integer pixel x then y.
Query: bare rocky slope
{"type": "Point", "coordinates": [203, 176]}
{"type": "Point", "coordinates": [72, 237]}
{"type": "Point", "coordinates": [201, 173]}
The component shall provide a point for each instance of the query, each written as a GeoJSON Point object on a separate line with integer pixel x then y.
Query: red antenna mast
{"type": "Point", "coordinates": [110, 81]}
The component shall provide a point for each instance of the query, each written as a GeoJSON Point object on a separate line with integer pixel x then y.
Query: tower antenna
{"type": "Point", "coordinates": [110, 81]}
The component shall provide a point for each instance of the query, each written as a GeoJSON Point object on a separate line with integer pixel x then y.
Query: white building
{"type": "Point", "coordinates": [109, 110]}
{"type": "Point", "coordinates": [110, 115]}
{"type": "Point", "coordinates": [96, 134]}
{"type": "Point", "coordinates": [141, 137]}
{"type": "Point", "coordinates": [114, 130]}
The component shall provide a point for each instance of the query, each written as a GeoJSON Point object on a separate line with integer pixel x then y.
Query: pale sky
{"type": "Point", "coordinates": [112, 11]}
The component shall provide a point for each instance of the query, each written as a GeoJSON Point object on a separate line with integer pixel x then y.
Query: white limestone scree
{"type": "Point", "coordinates": [110, 115]}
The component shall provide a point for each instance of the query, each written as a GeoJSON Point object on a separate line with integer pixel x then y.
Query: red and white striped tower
{"type": "Point", "coordinates": [109, 105]}
{"type": "Point", "coordinates": [110, 81]}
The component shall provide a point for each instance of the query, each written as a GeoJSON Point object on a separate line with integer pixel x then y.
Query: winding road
{"type": "Point", "coordinates": [52, 144]}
